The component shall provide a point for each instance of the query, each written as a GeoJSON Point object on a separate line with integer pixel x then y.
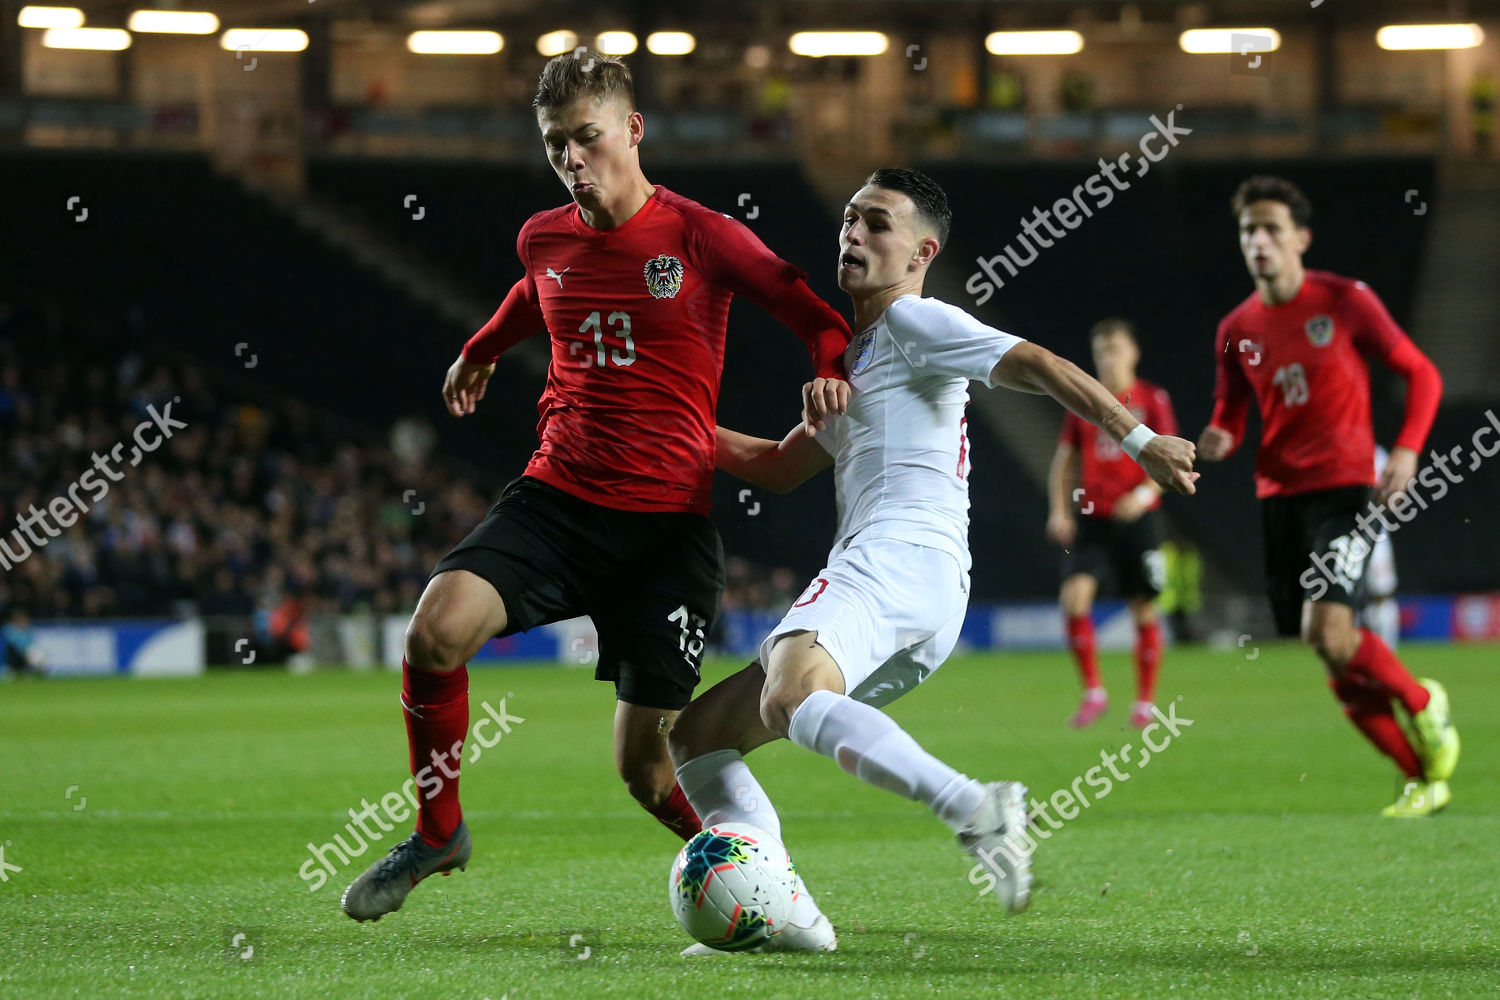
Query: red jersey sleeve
{"type": "Point", "coordinates": [1231, 388]}
{"type": "Point", "coordinates": [519, 316]}
{"type": "Point", "coordinates": [735, 258]}
{"type": "Point", "coordinates": [1378, 336]}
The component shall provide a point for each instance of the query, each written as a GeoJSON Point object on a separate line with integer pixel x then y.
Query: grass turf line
{"type": "Point", "coordinates": [1246, 859]}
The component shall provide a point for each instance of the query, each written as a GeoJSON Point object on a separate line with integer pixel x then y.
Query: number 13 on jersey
{"type": "Point", "coordinates": [619, 326]}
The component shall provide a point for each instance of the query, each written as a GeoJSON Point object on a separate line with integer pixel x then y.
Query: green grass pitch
{"type": "Point", "coordinates": [159, 827]}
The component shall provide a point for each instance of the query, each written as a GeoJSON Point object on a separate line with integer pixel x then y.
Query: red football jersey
{"type": "Point", "coordinates": [1304, 361]}
{"type": "Point", "coordinates": [637, 317]}
{"type": "Point", "coordinates": [1106, 472]}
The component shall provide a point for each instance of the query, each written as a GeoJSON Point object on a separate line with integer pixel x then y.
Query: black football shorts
{"type": "Point", "coordinates": [651, 582]}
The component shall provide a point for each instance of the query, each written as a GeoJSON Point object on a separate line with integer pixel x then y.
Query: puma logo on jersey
{"type": "Point", "coordinates": [554, 274]}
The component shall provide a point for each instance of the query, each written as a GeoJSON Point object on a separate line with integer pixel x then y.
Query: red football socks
{"type": "Point", "coordinates": [436, 707]}
{"type": "Point", "coordinates": [677, 815]}
{"type": "Point", "coordinates": [1370, 711]}
{"type": "Point", "coordinates": [1081, 639]}
{"type": "Point", "coordinates": [1147, 660]}
{"type": "Point", "coordinates": [1377, 666]}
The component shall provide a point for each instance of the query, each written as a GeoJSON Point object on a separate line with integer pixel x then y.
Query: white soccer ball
{"type": "Point", "coordinates": [732, 886]}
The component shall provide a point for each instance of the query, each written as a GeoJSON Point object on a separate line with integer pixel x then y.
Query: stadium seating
{"type": "Point", "coordinates": [187, 265]}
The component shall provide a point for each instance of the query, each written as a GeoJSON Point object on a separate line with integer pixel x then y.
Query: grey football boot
{"type": "Point", "coordinates": [385, 884]}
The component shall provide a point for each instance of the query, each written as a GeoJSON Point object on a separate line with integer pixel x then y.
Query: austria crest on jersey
{"type": "Point", "coordinates": [1320, 330]}
{"type": "Point", "coordinates": [664, 276]}
{"type": "Point", "coordinates": [864, 352]}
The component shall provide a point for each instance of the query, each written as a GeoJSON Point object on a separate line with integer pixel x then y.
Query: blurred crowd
{"type": "Point", "coordinates": [254, 509]}
{"type": "Point", "coordinates": [250, 507]}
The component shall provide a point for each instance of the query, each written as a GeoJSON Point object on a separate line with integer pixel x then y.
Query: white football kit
{"type": "Point", "coordinates": [890, 602]}
{"type": "Point", "coordinates": [1382, 568]}
{"type": "Point", "coordinates": [1382, 614]}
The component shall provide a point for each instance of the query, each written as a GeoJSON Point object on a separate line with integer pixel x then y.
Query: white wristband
{"type": "Point", "coordinates": [1137, 439]}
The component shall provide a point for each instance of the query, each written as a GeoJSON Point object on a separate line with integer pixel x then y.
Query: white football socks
{"type": "Point", "coordinates": [721, 789]}
{"type": "Point", "coordinates": [869, 744]}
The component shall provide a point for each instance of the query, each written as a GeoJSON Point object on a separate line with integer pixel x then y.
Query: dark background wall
{"type": "Point", "coordinates": [197, 266]}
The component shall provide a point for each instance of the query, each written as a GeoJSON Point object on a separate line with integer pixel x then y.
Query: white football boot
{"type": "Point", "coordinates": [996, 835]}
{"type": "Point", "coordinates": [815, 935]}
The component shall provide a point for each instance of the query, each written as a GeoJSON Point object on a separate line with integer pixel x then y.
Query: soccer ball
{"type": "Point", "coordinates": [732, 886]}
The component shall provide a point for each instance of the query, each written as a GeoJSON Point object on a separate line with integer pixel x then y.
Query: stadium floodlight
{"type": "Point", "coordinates": [670, 43]}
{"type": "Point", "coordinates": [173, 22]}
{"type": "Point", "coordinates": [455, 43]}
{"type": "Point", "coordinates": [555, 43]}
{"type": "Point", "coordinates": [615, 43]}
{"type": "Point", "coordinates": [50, 17]}
{"type": "Point", "coordinates": [103, 39]}
{"type": "Point", "coordinates": [264, 40]}
{"type": "Point", "coordinates": [1405, 37]}
{"type": "Point", "coordinates": [1033, 43]}
{"type": "Point", "coordinates": [817, 44]}
{"type": "Point", "coordinates": [1222, 41]}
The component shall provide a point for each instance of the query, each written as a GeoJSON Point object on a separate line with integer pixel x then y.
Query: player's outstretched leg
{"type": "Point", "coordinates": [458, 612]}
{"type": "Point", "coordinates": [1147, 660]}
{"type": "Point", "coordinates": [804, 699]}
{"type": "Point", "coordinates": [709, 741]}
{"type": "Point", "coordinates": [1367, 677]}
{"type": "Point", "coordinates": [1425, 702]}
{"type": "Point", "coordinates": [1077, 600]}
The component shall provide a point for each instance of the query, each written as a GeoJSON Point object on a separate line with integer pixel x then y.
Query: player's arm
{"type": "Point", "coordinates": [1378, 335]}
{"type": "Point", "coordinates": [519, 317]}
{"type": "Point", "coordinates": [1062, 526]}
{"type": "Point", "coordinates": [778, 467]}
{"type": "Point", "coordinates": [733, 256]}
{"type": "Point", "coordinates": [1226, 428]}
{"type": "Point", "coordinates": [1029, 368]}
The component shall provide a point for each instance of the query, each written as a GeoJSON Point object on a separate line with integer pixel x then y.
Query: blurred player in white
{"type": "Point", "coordinates": [886, 610]}
{"type": "Point", "coordinates": [1382, 615]}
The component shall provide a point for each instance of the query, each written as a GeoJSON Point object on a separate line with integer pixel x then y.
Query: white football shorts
{"type": "Point", "coordinates": [886, 610]}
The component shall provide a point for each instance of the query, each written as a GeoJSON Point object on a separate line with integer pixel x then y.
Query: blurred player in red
{"type": "Point", "coordinates": [632, 283]}
{"type": "Point", "coordinates": [1119, 532]}
{"type": "Point", "coordinates": [1298, 346]}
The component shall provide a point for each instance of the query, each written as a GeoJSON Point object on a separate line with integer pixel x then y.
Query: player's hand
{"type": "Point", "coordinates": [464, 385]}
{"type": "Point", "coordinates": [820, 397]}
{"type": "Point", "coordinates": [1215, 444]}
{"type": "Point", "coordinates": [1169, 462]}
{"type": "Point", "coordinates": [1062, 529]}
{"type": "Point", "coordinates": [1399, 470]}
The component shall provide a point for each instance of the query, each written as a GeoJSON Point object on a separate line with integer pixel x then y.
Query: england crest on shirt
{"type": "Point", "coordinates": [864, 352]}
{"type": "Point", "coordinates": [1320, 330]}
{"type": "Point", "coordinates": [663, 276]}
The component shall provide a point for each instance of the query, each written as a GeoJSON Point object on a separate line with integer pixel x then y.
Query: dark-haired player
{"type": "Point", "coordinates": [885, 611]}
{"type": "Point", "coordinates": [632, 284]}
{"type": "Point", "coordinates": [1299, 345]}
{"type": "Point", "coordinates": [1117, 529]}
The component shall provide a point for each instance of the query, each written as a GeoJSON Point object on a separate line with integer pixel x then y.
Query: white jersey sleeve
{"type": "Point", "coordinates": [945, 340]}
